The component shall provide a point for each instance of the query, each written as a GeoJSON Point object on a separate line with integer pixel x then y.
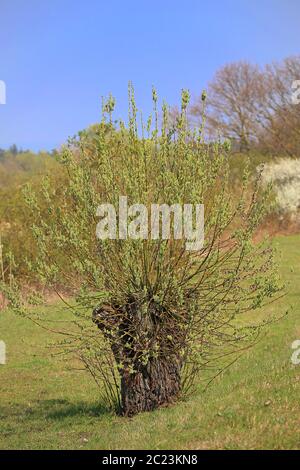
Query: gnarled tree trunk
{"type": "Point", "coordinates": [156, 384]}
{"type": "Point", "coordinates": [144, 386]}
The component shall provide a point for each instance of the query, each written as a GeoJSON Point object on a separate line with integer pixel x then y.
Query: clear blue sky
{"type": "Point", "coordinates": [59, 56]}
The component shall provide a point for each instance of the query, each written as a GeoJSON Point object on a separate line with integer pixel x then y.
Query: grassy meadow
{"type": "Point", "coordinates": [48, 403]}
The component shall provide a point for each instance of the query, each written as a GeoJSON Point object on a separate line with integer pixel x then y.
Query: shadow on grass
{"type": "Point", "coordinates": [53, 410]}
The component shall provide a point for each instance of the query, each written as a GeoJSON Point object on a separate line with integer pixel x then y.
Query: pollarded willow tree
{"type": "Point", "coordinates": [150, 315]}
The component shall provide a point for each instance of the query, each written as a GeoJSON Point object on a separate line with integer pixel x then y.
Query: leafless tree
{"type": "Point", "coordinates": [231, 103]}
{"type": "Point", "coordinates": [253, 106]}
{"type": "Point", "coordinates": [278, 118]}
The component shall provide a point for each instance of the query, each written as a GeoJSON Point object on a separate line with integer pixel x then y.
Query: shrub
{"type": "Point", "coordinates": [161, 313]}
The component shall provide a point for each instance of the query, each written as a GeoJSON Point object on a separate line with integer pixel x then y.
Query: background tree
{"type": "Point", "coordinates": [231, 103]}
{"type": "Point", "coordinates": [278, 118]}
{"type": "Point", "coordinates": [253, 106]}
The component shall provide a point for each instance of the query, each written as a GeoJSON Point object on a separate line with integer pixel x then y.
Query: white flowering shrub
{"type": "Point", "coordinates": [284, 175]}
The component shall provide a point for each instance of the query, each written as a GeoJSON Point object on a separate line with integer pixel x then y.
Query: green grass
{"type": "Point", "coordinates": [46, 404]}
